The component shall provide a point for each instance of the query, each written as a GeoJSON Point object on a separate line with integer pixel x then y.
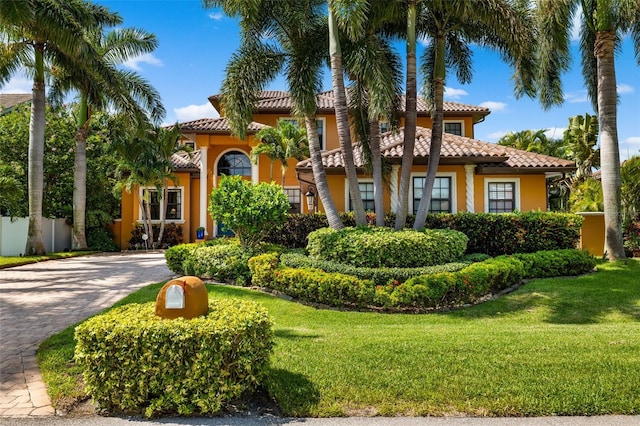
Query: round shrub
{"type": "Point", "coordinates": [224, 262]}
{"type": "Point", "coordinates": [176, 255]}
{"type": "Point", "coordinates": [375, 247]}
{"type": "Point", "coordinates": [133, 360]}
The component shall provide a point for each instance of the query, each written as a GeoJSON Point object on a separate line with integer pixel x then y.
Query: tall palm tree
{"type": "Point", "coordinates": [281, 144]}
{"type": "Point", "coordinates": [452, 25]}
{"type": "Point", "coordinates": [103, 87]}
{"type": "Point", "coordinates": [603, 22]}
{"type": "Point", "coordinates": [581, 138]}
{"type": "Point", "coordinates": [36, 33]}
{"type": "Point", "coordinates": [279, 36]}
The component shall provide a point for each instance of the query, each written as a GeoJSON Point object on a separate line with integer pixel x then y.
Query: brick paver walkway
{"type": "Point", "coordinates": [41, 299]}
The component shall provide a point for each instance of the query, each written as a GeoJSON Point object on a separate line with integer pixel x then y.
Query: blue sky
{"type": "Point", "coordinates": [195, 45]}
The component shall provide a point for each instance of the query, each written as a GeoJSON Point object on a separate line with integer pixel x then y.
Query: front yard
{"type": "Point", "coordinates": [564, 346]}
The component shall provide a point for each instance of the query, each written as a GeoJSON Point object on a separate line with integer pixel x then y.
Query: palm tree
{"type": "Point", "coordinates": [106, 86]}
{"type": "Point", "coordinates": [279, 36]}
{"type": "Point", "coordinates": [603, 23]}
{"type": "Point", "coordinates": [280, 144]}
{"type": "Point", "coordinates": [35, 33]}
{"type": "Point", "coordinates": [452, 25]}
{"type": "Point", "coordinates": [630, 188]}
{"type": "Point", "coordinates": [581, 138]}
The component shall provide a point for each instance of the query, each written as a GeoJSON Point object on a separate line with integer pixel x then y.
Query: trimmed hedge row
{"type": "Point", "coordinates": [421, 292]}
{"type": "Point", "coordinates": [223, 262]}
{"type": "Point", "coordinates": [133, 360]}
{"type": "Point", "coordinates": [379, 276]}
{"type": "Point", "coordinates": [492, 234]}
{"type": "Point", "coordinates": [375, 247]}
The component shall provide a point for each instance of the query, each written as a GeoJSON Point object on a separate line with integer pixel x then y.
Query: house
{"type": "Point", "coordinates": [473, 175]}
{"type": "Point", "coordinates": [8, 101]}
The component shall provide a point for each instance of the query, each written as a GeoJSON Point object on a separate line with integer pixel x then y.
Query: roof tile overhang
{"type": "Point", "coordinates": [9, 100]}
{"type": "Point", "coordinates": [216, 126]}
{"type": "Point", "coordinates": [490, 158]}
{"type": "Point", "coordinates": [183, 162]}
{"type": "Point", "coordinates": [274, 101]}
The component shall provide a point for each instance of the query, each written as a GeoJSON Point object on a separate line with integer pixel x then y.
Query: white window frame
{"type": "Point", "coordinates": [455, 121]}
{"type": "Point", "coordinates": [347, 194]}
{"type": "Point", "coordinates": [166, 219]}
{"type": "Point", "coordinates": [454, 189]}
{"type": "Point", "coordinates": [323, 145]}
{"type": "Point", "coordinates": [515, 180]}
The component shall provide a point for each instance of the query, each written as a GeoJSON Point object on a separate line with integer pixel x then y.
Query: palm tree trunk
{"type": "Point", "coordinates": [79, 240]}
{"type": "Point", "coordinates": [163, 211]}
{"type": "Point", "coordinates": [35, 243]}
{"type": "Point", "coordinates": [436, 134]}
{"type": "Point", "coordinates": [409, 118]}
{"type": "Point", "coordinates": [342, 120]}
{"type": "Point", "coordinates": [319, 175]}
{"type": "Point", "coordinates": [376, 167]}
{"type": "Point", "coordinates": [610, 154]}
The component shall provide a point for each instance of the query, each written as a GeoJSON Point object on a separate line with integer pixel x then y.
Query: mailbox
{"type": "Point", "coordinates": [184, 297]}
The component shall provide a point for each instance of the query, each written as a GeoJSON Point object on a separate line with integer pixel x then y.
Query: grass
{"type": "Point", "coordinates": [564, 346]}
{"type": "Point", "coordinates": [10, 261]}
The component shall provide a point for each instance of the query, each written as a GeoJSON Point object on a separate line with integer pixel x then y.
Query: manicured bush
{"type": "Point", "coordinates": [135, 361]}
{"type": "Point", "coordinates": [224, 262]}
{"type": "Point", "coordinates": [101, 239]}
{"type": "Point", "coordinates": [556, 263]}
{"type": "Point", "coordinates": [171, 236]}
{"type": "Point", "coordinates": [176, 256]}
{"type": "Point", "coordinates": [375, 247]}
{"type": "Point", "coordinates": [379, 276]}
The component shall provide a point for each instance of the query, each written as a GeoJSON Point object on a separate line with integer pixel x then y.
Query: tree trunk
{"type": "Point", "coordinates": [609, 150]}
{"type": "Point", "coordinates": [342, 120]}
{"type": "Point", "coordinates": [35, 243]}
{"type": "Point", "coordinates": [319, 175]}
{"type": "Point", "coordinates": [436, 135]}
{"type": "Point", "coordinates": [409, 120]}
{"type": "Point", "coordinates": [78, 236]}
{"type": "Point", "coordinates": [376, 167]}
{"type": "Point", "coordinates": [163, 212]}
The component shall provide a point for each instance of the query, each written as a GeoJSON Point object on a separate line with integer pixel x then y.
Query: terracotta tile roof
{"type": "Point", "coordinates": [455, 150]}
{"type": "Point", "coordinates": [9, 100]}
{"type": "Point", "coordinates": [182, 162]}
{"type": "Point", "coordinates": [279, 101]}
{"type": "Point", "coordinates": [215, 125]}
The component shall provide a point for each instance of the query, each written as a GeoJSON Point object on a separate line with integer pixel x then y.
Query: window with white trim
{"type": "Point", "coordinates": [321, 125]}
{"type": "Point", "coordinates": [234, 163]}
{"type": "Point", "coordinates": [293, 195]}
{"type": "Point", "coordinates": [367, 194]}
{"type": "Point", "coordinates": [441, 195]}
{"type": "Point", "coordinates": [502, 195]}
{"type": "Point", "coordinates": [173, 210]}
{"type": "Point", "coordinates": [454, 127]}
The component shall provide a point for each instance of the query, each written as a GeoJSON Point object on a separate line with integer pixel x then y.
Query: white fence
{"type": "Point", "coordinates": [13, 235]}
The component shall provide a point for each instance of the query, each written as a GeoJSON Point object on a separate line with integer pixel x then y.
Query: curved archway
{"type": "Point", "coordinates": [234, 163]}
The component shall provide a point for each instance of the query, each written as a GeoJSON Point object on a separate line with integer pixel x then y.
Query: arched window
{"type": "Point", "coordinates": [234, 163]}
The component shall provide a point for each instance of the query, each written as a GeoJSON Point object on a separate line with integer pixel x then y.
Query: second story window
{"type": "Point", "coordinates": [454, 128]}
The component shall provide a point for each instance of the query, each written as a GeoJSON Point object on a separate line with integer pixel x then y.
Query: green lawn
{"type": "Point", "coordinates": [566, 346]}
{"type": "Point", "coordinates": [9, 261]}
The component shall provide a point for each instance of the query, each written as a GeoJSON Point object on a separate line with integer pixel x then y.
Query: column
{"type": "Point", "coordinates": [204, 177]}
{"type": "Point", "coordinates": [393, 190]}
{"type": "Point", "coordinates": [468, 178]}
{"type": "Point", "coordinates": [255, 177]}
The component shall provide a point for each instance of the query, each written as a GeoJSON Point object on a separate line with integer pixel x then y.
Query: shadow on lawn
{"type": "Point", "coordinates": [586, 299]}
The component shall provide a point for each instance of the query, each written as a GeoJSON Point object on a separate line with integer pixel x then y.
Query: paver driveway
{"type": "Point", "coordinates": [40, 299]}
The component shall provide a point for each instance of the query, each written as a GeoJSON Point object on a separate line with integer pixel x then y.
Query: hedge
{"type": "Point", "coordinates": [223, 262]}
{"type": "Point", "coordinates": [375, 247]}
{"type": "Point", "coordinates": [135, 361]}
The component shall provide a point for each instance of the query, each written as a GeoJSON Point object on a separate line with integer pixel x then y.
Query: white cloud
{"type": "Point", "coordinates": [494, 106]}
{"type": "Point", "coordinates": [147, 58]}
{"type": "Point", "coordinates": [216, 16]}
{"type": "Point", "coordinates": [576, 97]}
{"type": "Point", "coordinates": [18, 84]}
{"type": "Point", "coordinates": [555, 132]}
{"type": "Point", "coordinates": [492, 137]}
{"type": "Point", "coordinates": [624, 88]}
{"type": "Point", "coordinates": [635, 140]}
{"type": "Point", "coordinates": [451, 93]}
{"type": "Point", "coordinates": [195, 112]}
{"type": "Point", "coordinates": [575, 25]}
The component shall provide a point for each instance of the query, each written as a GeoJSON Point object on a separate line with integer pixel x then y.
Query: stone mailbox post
{"type": "Point", "coordinates": [184, 297]}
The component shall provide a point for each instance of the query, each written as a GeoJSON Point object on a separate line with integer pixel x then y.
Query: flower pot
{"type": "Point", "coordinates": [200, 234]}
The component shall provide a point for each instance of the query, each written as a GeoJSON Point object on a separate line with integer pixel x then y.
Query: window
{"type": "Point", "coordinates": [384, 126]}
{"type": "Point", "coordinates": [320, 123]}
{"type": "Point", "coordinates": [234, 163]}
{"type": "Point", "coordinates": [453, 127]}
{"type": "Point", "coordinates": [191, 144]}
{"type": "Point", "coordinates": [293, 195]}
{"type": "Point", "coordinates": [174, 204]}
{"type": "Point", "coordinates": [441, 195]}
{"type": "Point", "coordinates": [366, 192]}
{"type": "Point", "coordinates": [501, 197]}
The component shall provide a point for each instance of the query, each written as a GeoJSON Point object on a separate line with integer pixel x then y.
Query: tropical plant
{"type": "Point", "coordinates": [503, 25]}
{"type": "Point", "coordinates": [603, 23]}
{"type": "Point", "coordinates": [630, 188]}
{"type": "Point", "coordinates": [10, 189]}
{"type": "Point", "coordinates": [581, 139]}
{"type": "Point", "coordinates": [586, 196]}
{"type": "Point", "coordinates": [35, 34]}
{"type": "Point", "coordinates": [105, 86]}
{"type": "Point", "coordinates": [296, 39]}
{"type": "Point", "coordinates": [534, 141]}
{"type": "Point", "coordinates": [285, 141]}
